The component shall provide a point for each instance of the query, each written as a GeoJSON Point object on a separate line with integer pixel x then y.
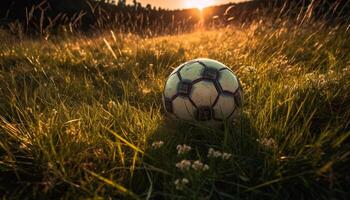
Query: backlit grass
{"type": "Point", "coordinates": [78, 116]}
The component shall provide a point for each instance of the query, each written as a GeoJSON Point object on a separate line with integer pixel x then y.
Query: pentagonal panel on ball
{"type": "Point", "coordinates": [191, 71]}
{"type": "Point", "coordinates": [210, 73]}
{"type": "Point", "coordinates": [212, 63]}
{"type": "Point", "coordinates": [204, 113]}
{"type": "Point", "coordinates": [224, 106]}
{"type": "Point", "coordinates": [171, 86]}
{"type": "Point", "coordinates": [204, 93]}
{"type": "Point", "coordinates": [228, 81]}
{"type": "Point", "coordinates": [183, 108]}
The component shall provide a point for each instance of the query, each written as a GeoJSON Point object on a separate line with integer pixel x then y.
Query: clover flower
{"type": "Point", "coordinates": [157, 144]}
{"type": "Point", "coordinates": [181, 183]}
{"type": "Point", "coordinates": [182, 149]}
{"type": "Point", "coordinates": [184, 165]}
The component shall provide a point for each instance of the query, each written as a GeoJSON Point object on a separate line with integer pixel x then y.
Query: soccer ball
{"type": "Point", "coordinates": [203, 90]}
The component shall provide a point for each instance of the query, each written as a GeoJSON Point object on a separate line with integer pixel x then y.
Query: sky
{"type": "Point", "coordinates": [176, 4]}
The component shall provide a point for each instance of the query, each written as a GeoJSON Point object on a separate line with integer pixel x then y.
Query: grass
{"type": "Point", "coordinates": [78, 116]}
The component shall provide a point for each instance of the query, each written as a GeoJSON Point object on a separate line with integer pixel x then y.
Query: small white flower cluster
{"type": "Point", "coordinates": [182, 149]}
{"type": "Point", "coordinates": [218, 154]}
{"type": "Point", "coordinates": [226, 156]}
{"type": "Point", "coordinates": [181, 183]}
{"type": "Point", "coordinates": [197, 165]}
{"type": "Point", "coordinates": [268, 143]}
{"type": "Point", "coordinates": [157, 144]}
{"type": "Point", "coordinates": [184, 165]}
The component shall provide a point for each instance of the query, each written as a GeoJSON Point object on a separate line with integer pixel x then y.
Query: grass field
{"type": "Point", "coordinates": [81, 117]}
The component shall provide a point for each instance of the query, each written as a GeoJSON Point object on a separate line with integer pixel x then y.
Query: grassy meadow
{"type": "Point", "coordinates": [81, 117]}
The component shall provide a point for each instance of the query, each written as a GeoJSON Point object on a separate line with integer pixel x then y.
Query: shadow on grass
{"type": "Point", "coordinates": [225, 178]}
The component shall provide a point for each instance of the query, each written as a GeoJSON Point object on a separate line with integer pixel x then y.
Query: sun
{"type": "Point", "coordinates": [200, 4]}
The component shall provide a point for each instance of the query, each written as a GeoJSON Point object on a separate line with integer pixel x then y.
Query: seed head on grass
{"type": "Point", "coordinates": [268, 143]}
{"type": "Point", "coordinates": [111, 104]}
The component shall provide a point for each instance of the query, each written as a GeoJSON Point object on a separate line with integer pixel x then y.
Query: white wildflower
{"type": "Point", "coordinates": [226, 156]}
{"type": "Point", "coordinates": [183, 165]}
{"type": "Point", "coordinates": [182, 149]}
{"type": "Point", "coordinates": [157, 144]}
{"type": "Point", "coordinates": [181, 183]}
{"type": "Point", "coordinates": [198, 165]}
{"type": "Point", "coordinates": [218, 154]}
{"type": "Point", "coordinates": [214, 154]}
{"type": "Point", "coordinates": [205, 167]}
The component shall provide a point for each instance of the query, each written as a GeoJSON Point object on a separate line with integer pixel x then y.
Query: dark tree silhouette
{"type": "Point", "coordinates": [39, 16]}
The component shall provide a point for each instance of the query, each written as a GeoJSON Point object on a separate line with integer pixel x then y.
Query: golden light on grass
{"type": "Point", "coordinates": [200, 4]}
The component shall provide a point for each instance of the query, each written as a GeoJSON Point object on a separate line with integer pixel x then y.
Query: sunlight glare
{"type": "Point", "coordinates": [200, 4]}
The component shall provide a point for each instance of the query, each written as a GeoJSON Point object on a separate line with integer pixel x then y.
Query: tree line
{"type": "Point", "coordinates": [47, 16]}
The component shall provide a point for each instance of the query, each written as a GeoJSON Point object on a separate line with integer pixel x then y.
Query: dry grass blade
{"type": "Point", "coordinates": [129, 144]}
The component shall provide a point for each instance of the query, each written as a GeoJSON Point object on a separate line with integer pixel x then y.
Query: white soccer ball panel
{"type": "Point", "coordinates": [212, 63]}
{"type": "Point", "coordinates": [183, 108]}
{"type": "Point", "coordinates": [224, 107]}
{"type": "Point", "coordinates": [179, 67]}
{"type": "Point", "coordinates": [228, 81]}
{"type": "Point", "coordinates": [171, 86]}
{"type": "Point", "coordinates": [176, 69]}
{"type": "Point", "coordinates": [204, 93]}
{"type": "Point", "coordinates": [192, 71]}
